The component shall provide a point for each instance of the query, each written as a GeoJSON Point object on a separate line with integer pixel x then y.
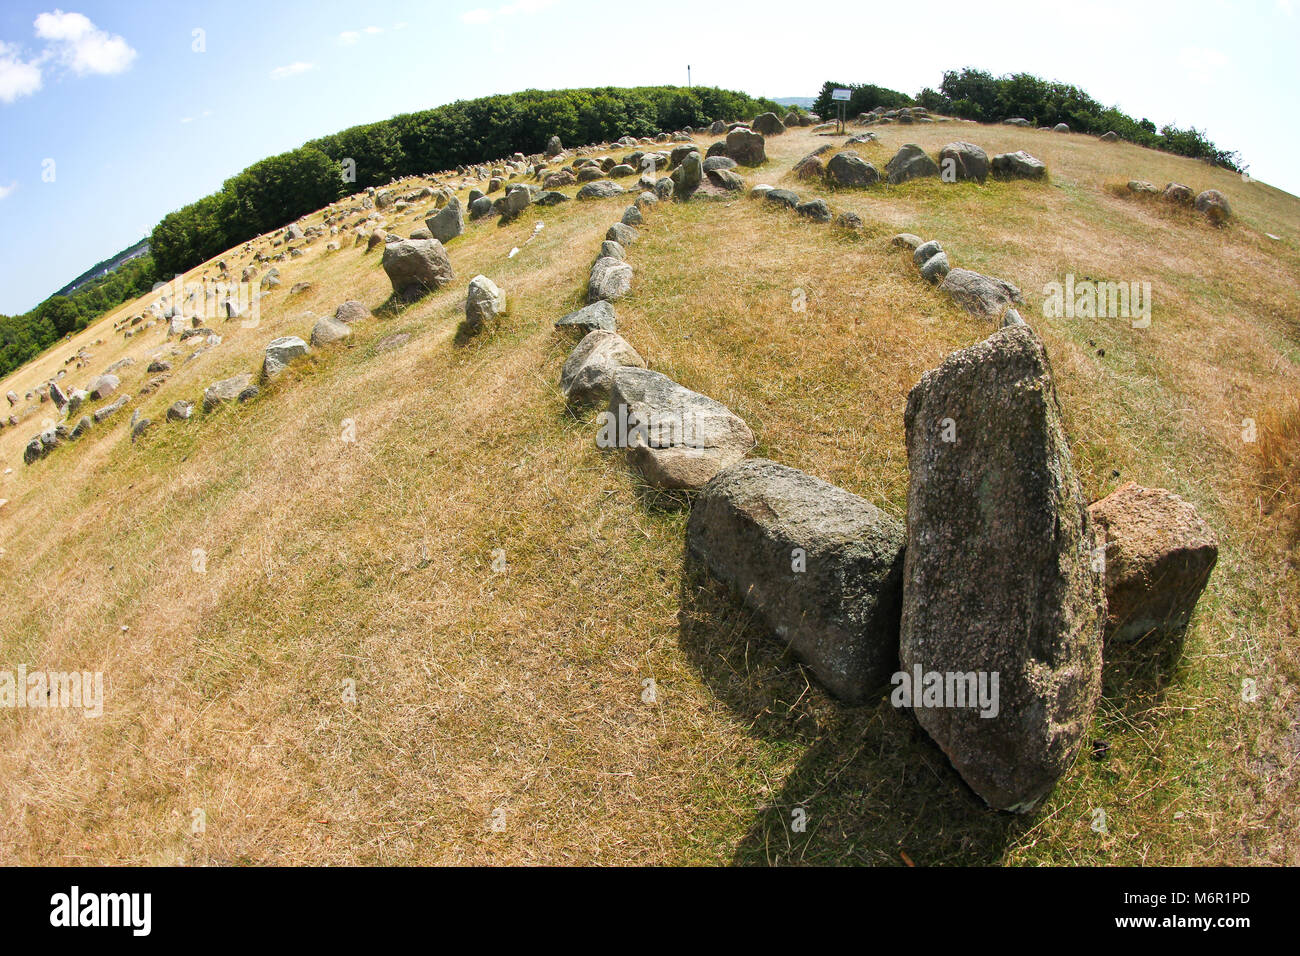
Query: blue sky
{"type": "Point", "coordinates": [140, 114]}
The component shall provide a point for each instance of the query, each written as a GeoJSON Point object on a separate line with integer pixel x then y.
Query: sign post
{"type": "Point", "coordinates": [840, 97]}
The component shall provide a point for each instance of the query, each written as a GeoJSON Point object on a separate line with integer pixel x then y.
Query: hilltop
{"type": "Point", "coordinates": [398, 607]}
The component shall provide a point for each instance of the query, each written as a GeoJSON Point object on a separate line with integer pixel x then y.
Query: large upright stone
{"type": "Point", "coordinates": [416, 266]}
{"type": "Point", "coordinates": [448, 222]}
{"type": "Point", "coordinates": [675, 438]}
{"type": "Point", "coordinates": [746, 147]}
{"type": "Point", "coordinates": [484, 302]}
{"type": "Point", "coordinates": [998, 574]}
{"type": "Point", "coordinates": [518, 198]}
{"type": "Point", "coordinates": [686, 177]}
{"type": "Point", "coordinates": [769, 124]}
{"type": "Point", "coordinates": [822, 567]}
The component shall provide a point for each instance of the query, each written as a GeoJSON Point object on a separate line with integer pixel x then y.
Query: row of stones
{"type": "Point", "coordinates": [855, 594]}
{"type": "Point", "coordinates": [1210, 203]}
{"type": "Point", "coordinates": [964, 161]}
{"type": "Point", "coordinates": [414, 268]}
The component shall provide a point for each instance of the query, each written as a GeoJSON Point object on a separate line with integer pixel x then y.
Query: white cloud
{"type": "Point", "coordinates": [17, 77]}
{"type": "Point", "coordinates": [293, 69]}
{"type": "Point", "coordinates": [349, 37]}
{"type": "Point", "coordinates": [481, 15]}
{"type": "Point", "coordinates": [82, 46]}
{"type": "Point", "coordinates": [6, 190]}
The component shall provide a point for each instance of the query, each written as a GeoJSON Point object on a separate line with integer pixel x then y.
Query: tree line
{"type": "Point", "coordinates": [978, 95]}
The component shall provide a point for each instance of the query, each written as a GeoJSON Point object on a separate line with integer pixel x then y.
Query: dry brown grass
{"type": "Point", "coordinates": [1279, 465]}
{"type": "Point", "coordinates": [522, 690]}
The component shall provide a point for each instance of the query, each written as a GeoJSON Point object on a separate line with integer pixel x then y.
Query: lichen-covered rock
{"type": "Point", "coordinates": [849, 169]}
{"type": "Point", "coordinates": [1213, 205]}
{"type": "Point", "coordinates": [448, 222]}
{"type": "Point", "coordinates": [746, 147]}
{"type": "Point", "coordinates": [416, 266]}
{"type": "Point", "coordinates": [352, 311]}
{"type": "Point", "coordinates": [961, 161]}
{"type": "Point", "coordinates": [822, 567]}
{"type": "Point", "coordinates": [280, 352]}
{"type": "Point", "coordinates": [328, 330]}
{"type": "Point", "coordinates": [588, 373]}
{"type": "Point", "coordinates": [910, 162]}
{"type": "Point", "coordinates": [597, 315]}
{"type": "Point", "coordinates": [239, 387]}
{"type": "Point", "coordinates": [998, 575]}
{"type": "Point", "coordinates": [601, 189]}
{"type": "Point", "coordinates": [610, 279]}
{"type": "Point", "coordinates": [675, 438]}
{"type": "Point", "coordinates": [1018, 165]}
{"type": "Point", "coordinates": [484, 303]}
{"type": "Point", "coordinates": [980, 294]}
{"type": "Point", "coordinates": [768, 124]}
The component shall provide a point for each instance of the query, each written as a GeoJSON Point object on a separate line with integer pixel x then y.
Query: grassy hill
{"type": "Point", "coordinates": [499, 716]}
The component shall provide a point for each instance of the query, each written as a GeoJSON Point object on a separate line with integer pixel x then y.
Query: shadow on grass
{"type": "Point", "coordinates": [1135, 675]}
{"type": "Point", "coordinates": [391, 308]}
{"type": "Point", "coordinates": [871, 788]}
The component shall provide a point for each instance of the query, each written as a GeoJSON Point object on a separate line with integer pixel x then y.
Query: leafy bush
{"type": "Point", "coordinates": [978, 95]}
